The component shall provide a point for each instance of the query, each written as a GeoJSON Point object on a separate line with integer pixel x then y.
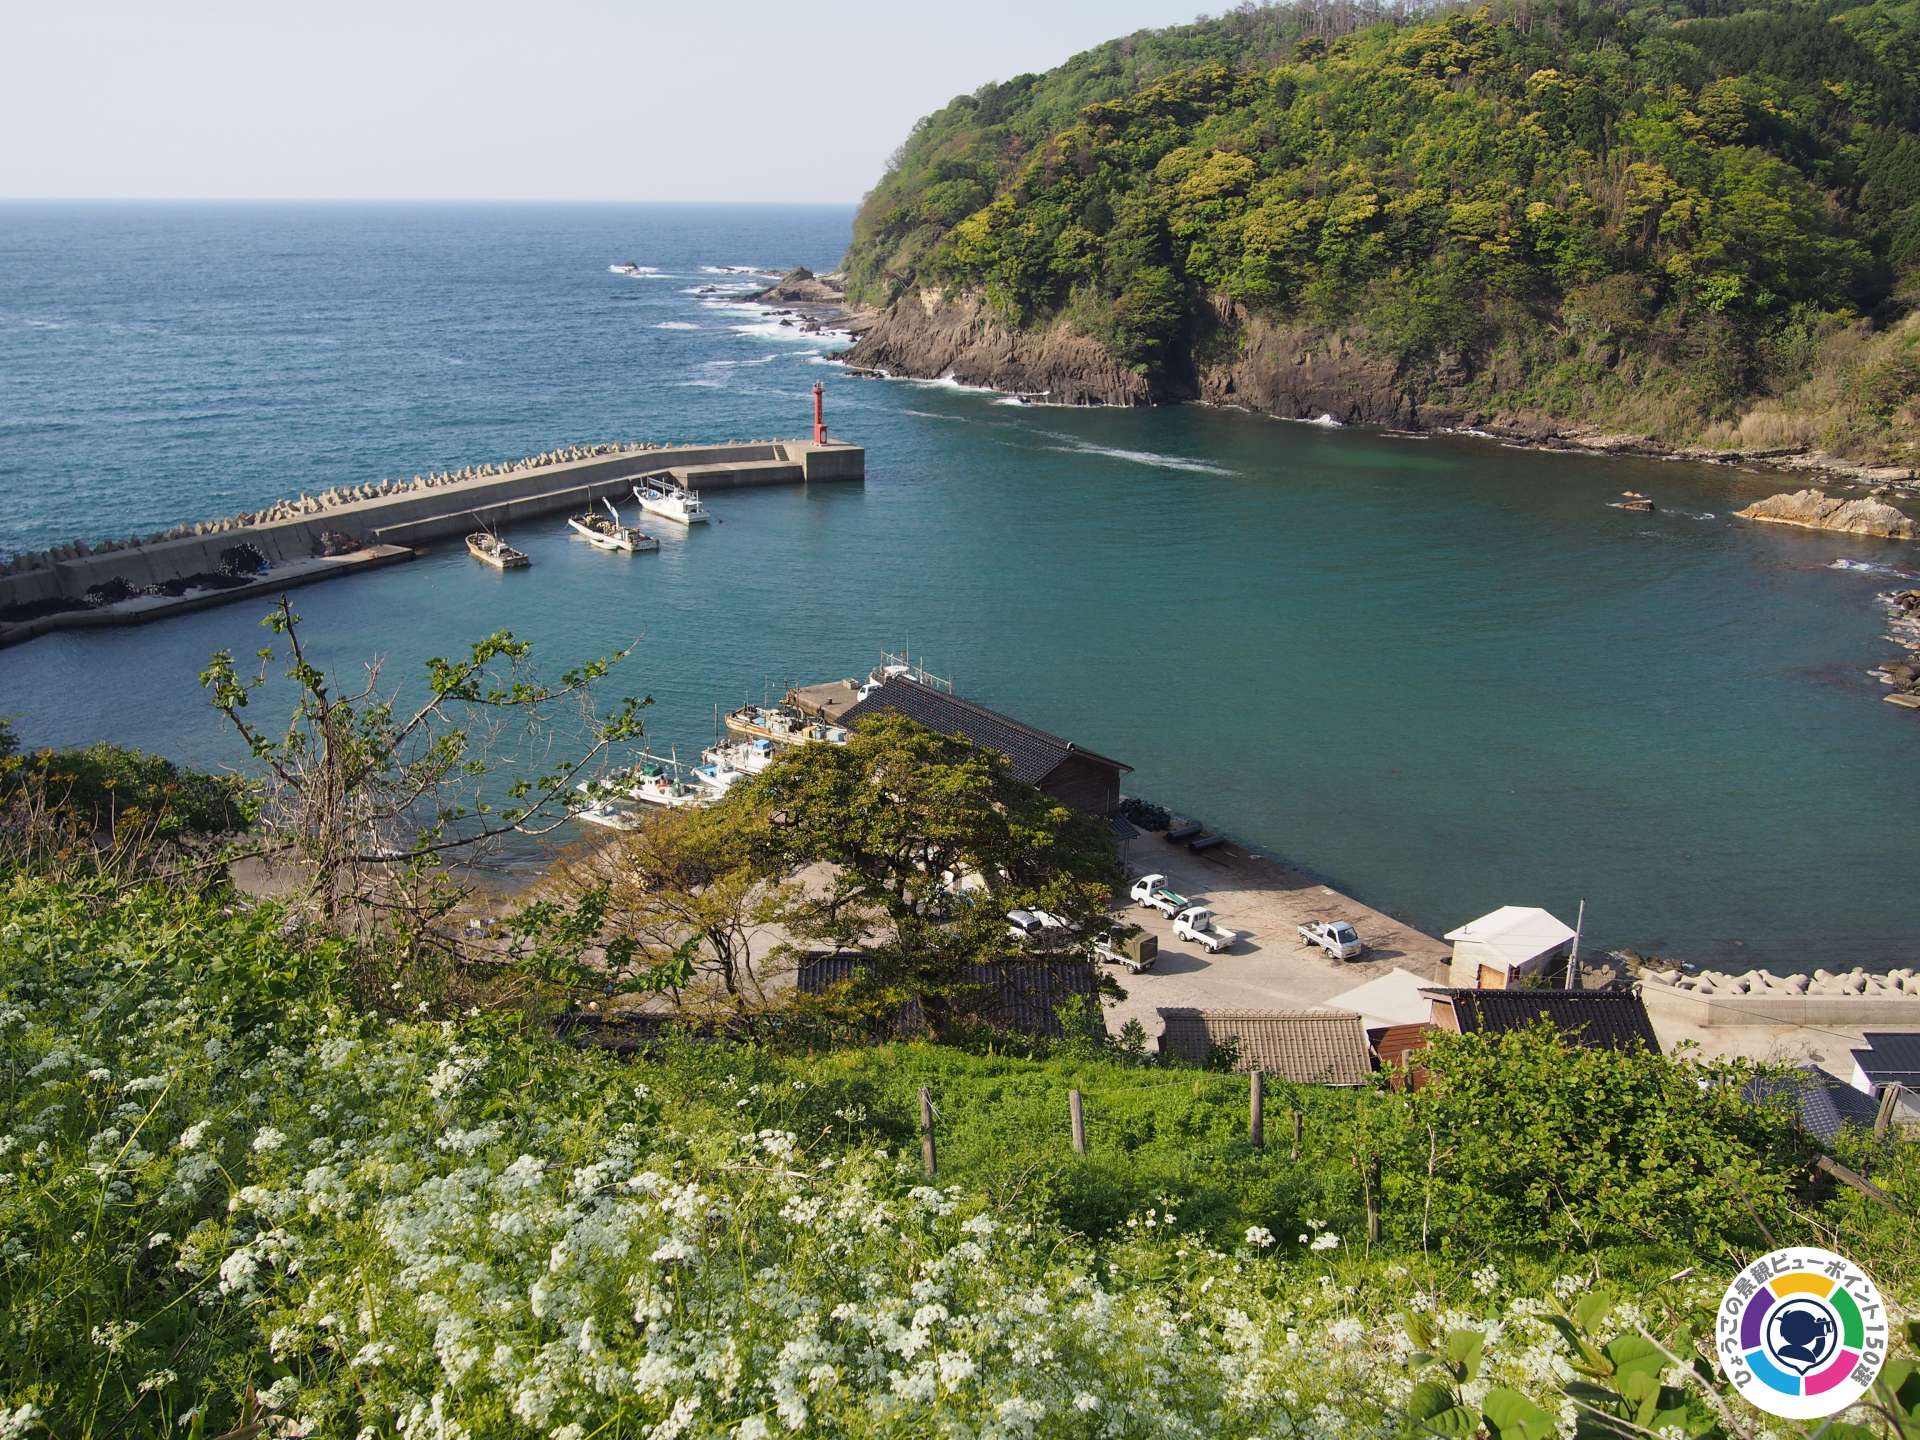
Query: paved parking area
{"type": "Point", "coordinates": [1269, 969]}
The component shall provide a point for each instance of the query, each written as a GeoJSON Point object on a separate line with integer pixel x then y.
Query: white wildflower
{"type": "Point", "coordinates": [268, 1140]}
{"type": "Point", "coordinates": [1259, 1236]}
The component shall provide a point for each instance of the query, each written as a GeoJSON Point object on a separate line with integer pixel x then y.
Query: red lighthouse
{"type": "Point", "coordinates": [819, 413]}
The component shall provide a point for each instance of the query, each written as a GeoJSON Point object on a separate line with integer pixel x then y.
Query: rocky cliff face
{"type": "Point", "coordinates": [1304, 372]}
{"type": "Point", "coordinates": [931, 334]}
{"type": "Point", "coordinates": [1295, 372]}
{"type": "Point", "coordinates": [1812, 510]}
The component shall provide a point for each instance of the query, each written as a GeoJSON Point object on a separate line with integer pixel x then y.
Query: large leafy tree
{"type": "Point", "coordinates": [915, 845]}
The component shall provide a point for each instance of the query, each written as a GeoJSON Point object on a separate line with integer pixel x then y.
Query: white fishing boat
{"type": "Point", "coordinates": [606, 532]}
{"type": "Point", "coordinates": [651, 781]}
{"type": "Point", "coordinates": [490, 549]}
{"type": "Point", "coordinates": [901, 667]}
{"type": "Point", "coordinates": [609, 815]}
{"type": "Point", "coordinates": [631, 267]}
{"type": "Point", "coordinates": [666, 497]}
{"type": "Point", "coordinates": [783, 725]}
{"type": "Point", "coordinates": [747, 756]}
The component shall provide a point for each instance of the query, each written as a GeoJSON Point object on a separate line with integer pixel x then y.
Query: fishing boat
{"type": "Point", "coordinates": [651, 781]}
{"type": "Point", "coordinates": [666, 497]}
{"type": "Point", "coordinates": [490, 549]}
{"type": "Point", "coordinates": [901, 667]}
{"type": "Point", "coordinates": [605, 532]}
{"type": "Point", "coordinates": [609, 815]}
{"type": "Point", "coordinates": [630, 267]}
{"type": "Point", "coordinates": [724, 766]}
{"type": "Point", "coordinates": [782, 725]}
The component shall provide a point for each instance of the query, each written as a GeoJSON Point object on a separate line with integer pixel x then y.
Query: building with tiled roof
{"type": "Point", "coordinates": [1312, 1047]}
{"type": "Point", "coordinates": [1596, 1019]}
{"type": "Point", "coordinates": [1076, 776]}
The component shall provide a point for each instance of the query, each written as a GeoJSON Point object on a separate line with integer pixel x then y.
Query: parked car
{"type": "Point", "coordinates": [1152, 892]}
{"type": "Point", "coordinates": [1038, 928]}
{"type": "Point", "coordinates": [1336, 937]}
{"type": "Point", "coordinates": [1196, 923]}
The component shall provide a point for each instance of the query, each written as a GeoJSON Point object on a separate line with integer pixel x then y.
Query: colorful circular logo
{"type": "Point", "coordinates": [1802, 1333]}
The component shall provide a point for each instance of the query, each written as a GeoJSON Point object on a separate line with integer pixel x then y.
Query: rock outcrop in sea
{"type": "Point", "coordinates": [800, 286]}
{"type": "Point", "coordinates": [1812, 510]}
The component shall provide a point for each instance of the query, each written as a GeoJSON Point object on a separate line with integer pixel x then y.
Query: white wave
{"type": "Point", "coordinates": [1327, 422]}
{"type": "Point", "coordinates": [624, 269]}
{"type": "Point", "coordinates": [676, 325]}
{"type": "Point", "coordinates": [741, 270]}
{"type": "Point", "coordinates": [1871, 567]}
{"type": "Point", "coordinates": [735, 364]}
{"type": "Point", "coordinates": [774, 330]}
{"type": "Point", "coordinates": [1140, 457]}
{"type": "Point", "coordinates": [947, 382]}
{"type": "Point", "coordinates": [935, 415]}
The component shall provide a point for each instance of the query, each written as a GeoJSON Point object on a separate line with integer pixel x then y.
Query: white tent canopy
{"type": "Point", "coordinates": [1390, 999]}
{"type": "Point", "coordinates": [1508, 939]}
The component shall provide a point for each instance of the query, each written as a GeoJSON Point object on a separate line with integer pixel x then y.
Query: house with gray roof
{"type": "Point", "coordinates": [1072, 774]}
{"type": "Point", "coordinates": [1312, 1047]}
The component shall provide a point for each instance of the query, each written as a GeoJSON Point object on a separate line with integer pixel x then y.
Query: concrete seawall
{"type": "Point", "coordinates": [407, 518]}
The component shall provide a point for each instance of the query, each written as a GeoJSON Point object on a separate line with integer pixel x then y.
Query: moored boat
{"type": "Point", "coordinates": [651, 781]}
{"type": "Point", "coordinates": [606, 532]}
{"type": "Point", "coordinates": [490, 549]}
{"type": "Point", "coordinates": [782, 725]}
{"type": "Point", "coordinates": [666, 497]}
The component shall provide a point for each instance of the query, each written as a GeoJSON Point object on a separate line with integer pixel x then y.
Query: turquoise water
{"type": "Point", "coordinates": [1440, 672]}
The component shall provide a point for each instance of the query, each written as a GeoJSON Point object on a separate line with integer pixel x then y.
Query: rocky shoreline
{"type": "Point", "coordinates": [1283, 371]}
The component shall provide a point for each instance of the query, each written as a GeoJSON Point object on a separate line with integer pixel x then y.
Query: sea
{"type": "Point", "coordinates": [1442, 674]}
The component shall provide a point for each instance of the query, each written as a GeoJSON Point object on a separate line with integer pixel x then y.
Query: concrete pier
{"type": "Point", "coordinates": [392, 526]}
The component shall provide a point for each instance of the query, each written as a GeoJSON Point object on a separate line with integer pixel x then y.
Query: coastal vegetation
{"type": "Point", "coordinates": [1693, 220]}
{"type": "Point", "coordinates": [273, 1166]}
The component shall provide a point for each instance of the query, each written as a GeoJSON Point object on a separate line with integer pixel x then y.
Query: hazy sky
{"type": "Point", "coordinates": [557, 99]}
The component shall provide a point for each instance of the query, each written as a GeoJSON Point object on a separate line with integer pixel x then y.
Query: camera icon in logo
{"type": "Point", "coordinates": [1801, 1333]}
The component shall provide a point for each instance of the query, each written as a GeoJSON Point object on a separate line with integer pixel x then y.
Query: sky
{"type": "Point", "coordinates": [502, 99]}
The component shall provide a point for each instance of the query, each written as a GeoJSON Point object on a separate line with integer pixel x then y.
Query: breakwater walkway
{"type": "Point", "coordinates": [341, 532]}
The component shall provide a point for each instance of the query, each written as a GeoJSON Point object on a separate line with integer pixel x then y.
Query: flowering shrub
{"type": "Point", "coordinates": [223, 1193]}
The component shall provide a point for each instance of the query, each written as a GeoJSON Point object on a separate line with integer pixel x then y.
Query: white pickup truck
{"type": "Point", "coordinates": [1152, 892]}
{"type": "Point", "coordinates": [1336, 937]}
{"type": "Point", "coordinates": [1196, 924]}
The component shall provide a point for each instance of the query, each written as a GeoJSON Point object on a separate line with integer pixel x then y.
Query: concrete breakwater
{"type": "Point", "coordinates": [342, 530]}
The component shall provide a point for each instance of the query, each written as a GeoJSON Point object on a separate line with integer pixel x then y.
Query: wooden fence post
{"type": "Point", "coordinates": [1257, 1109]}
{"type": "Point", "coordinates": [1079, 1122]}
{"type": "Point", "coordinates": [1298, 1123]}
{"type": "Point", "coordinates": [1889, 1101]}
{"type": "Point", "coordinates": [926, 1131]}
{"type": "Point", "coordinates": [1371, 1177]}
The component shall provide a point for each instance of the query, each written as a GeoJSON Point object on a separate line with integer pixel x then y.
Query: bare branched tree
{"type": "Point", "coordinates": [364, 805]}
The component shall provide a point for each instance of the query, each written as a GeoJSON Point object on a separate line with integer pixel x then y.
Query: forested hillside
{"type": "Point", "coordinates": [1692, 219]}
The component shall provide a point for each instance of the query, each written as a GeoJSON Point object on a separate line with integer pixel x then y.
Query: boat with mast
{"type": "Point", "coordinates": [606, 532]}
{"type": "Point", "coordinates": [782, 725]}
{"type": "Point", "coordinates": [488, 548]}
{"type": "Point", "coordinates": [651, 780]}
{"type": "Point", "coordinates": [660, 494]}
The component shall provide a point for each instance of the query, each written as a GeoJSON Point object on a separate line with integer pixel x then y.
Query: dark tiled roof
{"type": "Point", "coordinates": [1314, 1047]}
{"type": "Point", "coordinates": [1891, 1058]}
{"type": "Point", "coordinates": [1019, 995]}
{"type": "Point", "coordinates": [1034, 753]}
{"type": "Point", "coordinates": [1825, 1102]}
{"type": "Point", "coordinates": [1597, 1019]}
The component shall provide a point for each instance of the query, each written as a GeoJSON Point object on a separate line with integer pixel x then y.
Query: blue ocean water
{"type": "Point", "coordinates": [1440, 672]}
